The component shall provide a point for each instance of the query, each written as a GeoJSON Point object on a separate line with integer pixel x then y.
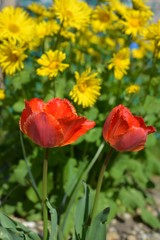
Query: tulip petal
{"type": "Point", "coordinates": [142, 124]}
{"type": "Point", "coordinates": [73, 128]}
{"type": "Point", "coordinates": [44, 130]}
{"type": "Point", "coordinates": [115, 124]}
{"type": "Point", "coordinates": [34, 105]}
{"type": "Point", "coordinates": [133, 140]}
{"type": "Point", "coordinates": [60, 108]}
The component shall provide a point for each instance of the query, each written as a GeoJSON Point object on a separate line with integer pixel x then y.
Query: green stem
{"type": "Point", "coordinates": [44, 195]}
{"type": "Point", "coordinates": [99, 184]}
{"type": "Point", "coordinates": [58, 35]}
{"type": "Point", "coordinates": [78, 184]}
{"type": "Point", "coordinates": [152, 71]}
{"type": "Point", "coordinates": [32, 181]}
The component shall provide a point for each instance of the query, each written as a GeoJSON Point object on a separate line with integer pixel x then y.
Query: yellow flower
{"type": "Point", "coordinates": [46, 28]}
{"type": "Point", "coordinates": [102, 18]}
{"type": "Point", "coordinates": [153, 33]}
{"type": "Point", "coordinates": [134, 88]}
{"type": "Point", "coordinates": [120, 62]}
{"type": "Point", "coordinates": [2, 94]}
{"type": "Point", "coordinates": [16, 24]}
{"type": "Point", "coordinates": [139, 53]}
{"type": "Point", "coordinates": [51, 62]}
{"type": "Point", "coordinates": [87, 88]}
{"type": "Point", "coordinates": [40, 10]}
{"type": "Point", "coordinates": [141, 5]}
{"type": "Point", "coordinates": [118, 7]}
{"type": "Point", "coordinates": [72, 13]}
{"type": "Point", "coordinates": [36, 8]}
{"type": "Point", "coordinates": [135, 22]}
{"type": "Point", "coordinates": [12, 55]}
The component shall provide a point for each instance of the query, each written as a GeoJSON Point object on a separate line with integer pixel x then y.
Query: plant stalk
{"type": "Point", "coordinates": [79, 182]}
{"type": "Point", "coordinates": [44, 195]}
{"type": "Point", "coordinates": [99, 183]}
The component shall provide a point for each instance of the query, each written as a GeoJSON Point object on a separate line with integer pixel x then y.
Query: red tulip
{"type": "Point", "coordinates": [54, 123]}
{"type": "Point", "coordinates": [125, 132]}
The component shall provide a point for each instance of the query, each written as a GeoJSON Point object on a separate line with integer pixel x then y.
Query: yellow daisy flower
{"type": "Point", "coordinates": [2, 94]}
{"type": "Point", "coordinates": [46, 28]}
{"type": "Point", "coordinates": [152, 33]}
{"type": "Point", "coordinates": [141, 5]}
{"type": "Point", "coordinates": [120, 62]}
{"type": "Point", "coordinates": [72, 13]}
{"type": "Point", "coordinates": [135, 22]}
{"type": "Point", "coordinates": [51, 62]}
{"type": "Point", "coordinates": [118, 7]}
{"type": "Point", "coordinates": [40, 10]}
{"type": "Point", "coordinates": [87, 88]}
{"type": "Point", "coordinates": [16, 24]}
{"type": "Point", "coordinates": [102, 18]}
{"type": "Point", "coordinates": [36, 8]}
{"type": "Point", "coordinates": [12, 56]}
{"type": "Point", "coordinates": [134, 88]}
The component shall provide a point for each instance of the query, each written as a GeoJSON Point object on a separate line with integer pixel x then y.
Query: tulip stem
{"type": "Point", "coordinates": [78, 184]}
{"type": "Point", "coordinates": [99, 183]}
{"type": "Point", "coordinates": [44, 195]}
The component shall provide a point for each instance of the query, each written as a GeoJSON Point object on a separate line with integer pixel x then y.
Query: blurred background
{"type": "Point", "coordinates": [155, 4]}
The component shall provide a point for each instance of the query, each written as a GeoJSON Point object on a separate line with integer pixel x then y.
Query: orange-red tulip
{"type": "Point", "coordinates": [125, 132]}
{"type": "Point", "coordinates": [54, 123]}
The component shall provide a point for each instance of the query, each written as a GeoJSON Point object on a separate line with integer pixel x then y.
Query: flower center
{"type": "Point", "coordinates": [69, 14]}
{"type": "Point", "coordinates": [53, 65]}
{"type": "Point", "coordinates": [14, 28]}
{"type": "Point", "coordinates": [117, 62]}
{"type": "Point", "coordinates": [104, 17]}
{"type": "Point", "coordinates": [82, 87]}
{"type": "Point", "coordinates": [135, 23]}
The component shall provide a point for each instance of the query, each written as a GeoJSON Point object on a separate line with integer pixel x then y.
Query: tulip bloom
{"type": "Point", "coordinates": [125, 132]}
{"type": "Point", "coordinates": [54, 123]}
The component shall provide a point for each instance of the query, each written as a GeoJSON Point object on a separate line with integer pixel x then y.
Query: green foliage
{"type": "Point", "coordinates": [11, 230]}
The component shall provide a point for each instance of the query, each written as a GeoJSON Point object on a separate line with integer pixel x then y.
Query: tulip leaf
{"type": "Point", "coordinates": [6, 222]}
{"type": "Point", "coordinates": [54, 220]}
{"type": "Point", "coordinates": [11, 230]}
{"type": "Point", "coordinates": [82, 213]}
{"type": "Point", "coordinates": [97, 230]}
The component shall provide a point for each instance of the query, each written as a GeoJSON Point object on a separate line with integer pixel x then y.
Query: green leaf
{"type": "Point", "coordinates": [6, 222]}
{"type": "Point", "coordinates": [150, 219]}
{"type": "Point", "coordinates": [92, 113]}
{"type": "Point", "coordinates": [18, 106]}
{"type": "Point", "coordinates": [6, 234]}
{"type": "Point", "coordinates": [153, 166]}
{"type": "Point", "coordinates": [97, 230]}
{"type": "Point", "coordinates": [71, 174]}
{"type": "Point", "coordinates": [151, 101]}
{"type": "Point", "coordinates": [131, 198]}
{"type": "Point", "coordinates": [22, 77]}
{"type": "Point", "coordinates": [20, 173]}
{"type": "Point", "coordinates": [93, 135]}
{"type": "Point", "coordinates": [31, 195]}
{"type": "Point", "coordinates": [54, 221]}
{"type": "Point", "coordinates": [82, 213]}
